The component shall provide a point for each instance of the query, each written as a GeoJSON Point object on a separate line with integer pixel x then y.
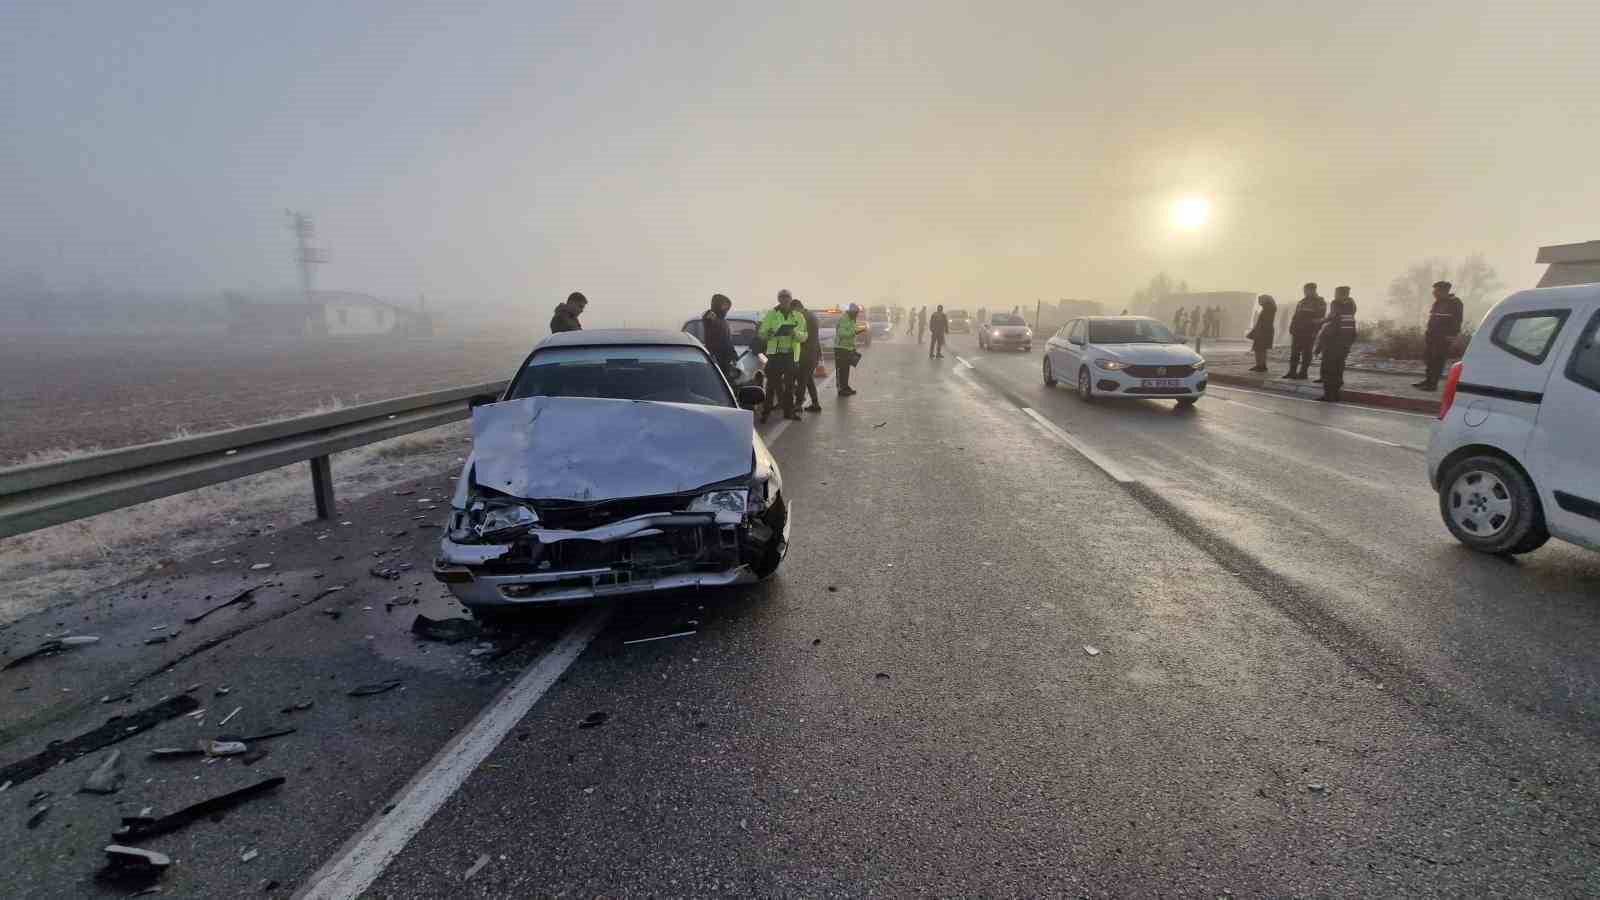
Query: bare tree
{"type": "Point", "coordinates": [1478, 286]}
{"type": "Point", "coordinates": [1411, 292]}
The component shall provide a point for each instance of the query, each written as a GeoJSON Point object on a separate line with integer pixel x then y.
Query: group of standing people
{"type": "Point", "coordinates": [1317, 327]}
{"type": "Point", "coordinates": [1202, 321]}
{"type": "Point", "coordinates": [791, 338]}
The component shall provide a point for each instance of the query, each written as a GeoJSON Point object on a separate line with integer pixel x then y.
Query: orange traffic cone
{"type": "Point", "coordinates": [822, 371]}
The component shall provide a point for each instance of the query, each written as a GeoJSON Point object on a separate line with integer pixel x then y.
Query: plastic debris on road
{"type": "Point", "coordinates": [1091, 650]}
{"type": "Point", "coordinates": [106, 777]}
{"type": "Point", "coordinates": [136, 827]}
{"type": "Point", "coordinates": [448, 631]}
{"type": "Point", "coordinates": [594, 720]}
{"type": "Point", "coordinates": [483, 860]}
{"type": "Point", "coordinates": [52, 647]}
{"type": "Point", "coordinates": [110, 733]}
{"type": "Point", "coordinates": [381, 687]}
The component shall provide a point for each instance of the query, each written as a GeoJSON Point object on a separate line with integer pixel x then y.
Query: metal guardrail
{"type": "Point", "coordinates": [38, 496]}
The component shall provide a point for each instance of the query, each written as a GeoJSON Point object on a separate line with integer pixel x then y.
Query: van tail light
{"type": "Point", "coordinates": [1450, 391]}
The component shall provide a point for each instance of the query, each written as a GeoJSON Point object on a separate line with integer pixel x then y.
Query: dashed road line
{"type": "Point", "coordinates": [1104, 463]}
{"type": "Point", "coordinates": [962, 360]}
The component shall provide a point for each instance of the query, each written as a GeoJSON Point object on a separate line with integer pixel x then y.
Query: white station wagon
{"type": "Point", "coordinates": [1516, 454]}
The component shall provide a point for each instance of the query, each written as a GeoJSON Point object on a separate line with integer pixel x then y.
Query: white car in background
{"type": "Point", "coordinates": [1516, 454]}
{"type": "Point", "coordinates": [1124, 356]}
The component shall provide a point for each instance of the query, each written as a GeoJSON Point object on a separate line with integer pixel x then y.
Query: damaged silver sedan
{"type": "Point", "coordinates": [617, 462]}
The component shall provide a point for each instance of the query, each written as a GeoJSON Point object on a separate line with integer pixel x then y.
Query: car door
{"type": "Point", "coordinates": [1058, 348]}
{"type": "Point", "coordinates": [1567, 434]}
{"type": "Point", "coordinates": [1077, 346]}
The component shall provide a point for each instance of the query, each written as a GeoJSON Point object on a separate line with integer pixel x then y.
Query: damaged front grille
{"type": "Point", "coordinates": [580, 516]}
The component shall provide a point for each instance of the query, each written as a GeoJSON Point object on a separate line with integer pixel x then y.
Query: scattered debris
{"type": "Point", "coordinates": [107, 777]}
{"type": "Point", "coordinates": [259, 566]}
{"type": "Point", "coordinates": [381, 687]}
{"type": "Point", "coordinates": [384, 572]}
{"type": "Point", "coordinates": [158, 639]}
{"type": "Point", "coordinates": [263, 736]}
{"type": "Point", "coordinates": [224, 748]}
{"type": "Point", "coordinates": [38, 816]}
{"type": "Point", "coordinates": [880, 424]}
{"type": "Point", "coordinates": [882, 676]}
{"type": "Point", "coordinates": [326, 591]}
{"type": "Point", "coordinates": [594, 720]}
{"type": "Point", "coordinates": [254, 756]}
{"type": "Point", "coordinates": [229, 717]}
{"type": "Point", "coordinates": [483, 860]}
{"type": "Point", "coordinates": [110, 733]}
{"type": "Point", "coordinates": [816, 642]}
{"type": "Point", "coordinates": [1091, 649]}
{"type": "Point", "coordinates": [301, 706]}
{"type": "Point", "coordinates": [331, 613]}
{"type": "Point", "coordinates": [1316, 787]}
{"type": "Point", "coordinates": [176, 752]}
{"type": "Point", "coordinates": [404, 493]}
{"type": "Point", "coordinates": [448, 631]}
{"type": "Point", "coordinates": [249, 855]}
{"type": "Point", "coordinates": [660, 637]}
{"type": "Point", "coordinates": [241, 597]}
{"type": "Point", "coordinates": [39, 796]}
{"type": "Point", "coordinates": [136, 827]}
{"type": "Point", "coordinates": [116, 698]}
{"type": "Point", "coordinates": [52, 647]}
{"type": "Point", "coordinates": [132, 866]}
{"type": "Point", "coordinates": [222, 691]}
{"type": "Point", "coordinates": [832, 589]}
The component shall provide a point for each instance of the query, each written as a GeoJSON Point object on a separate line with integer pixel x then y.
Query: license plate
{"type": "Point", "coordinates": [1161, 383]}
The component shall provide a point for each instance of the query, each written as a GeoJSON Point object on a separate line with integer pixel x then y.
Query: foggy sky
{"type": "Point", "coordinates": [650, 154]}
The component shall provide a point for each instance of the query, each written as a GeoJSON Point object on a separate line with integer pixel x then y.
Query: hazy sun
{"type": "Point", "coordinates": [1191, 212]}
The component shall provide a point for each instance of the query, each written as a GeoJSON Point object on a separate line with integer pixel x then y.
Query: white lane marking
{"type": "Point", "coordinates": [1364, 409]}
{"type": "Point", "coordinates": [366, 856]}
{"type": "Point", "coordinates": [1089, 453]}
{"type": "Point", "coordinates": [963, 361]}
{"type": "Point", "coordinates": [771, 434]}
{"type": "Point", "coordinates": [1344, 431]}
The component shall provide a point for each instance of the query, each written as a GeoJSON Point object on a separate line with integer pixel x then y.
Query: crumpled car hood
{"type": "Point", "coordinates": [583, 449]}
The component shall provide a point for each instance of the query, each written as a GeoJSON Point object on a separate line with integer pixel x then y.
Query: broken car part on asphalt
{"type": "Point", "coordinates": [449, 631]}
{"type": "Point", "coordinates": [52, 647]}
{"type": "Point", "coordinates": [241, 598]}
{"type": "Point", "coordinates": [139, 827]}
{"type": "Point", "coordinates": [117, 729]}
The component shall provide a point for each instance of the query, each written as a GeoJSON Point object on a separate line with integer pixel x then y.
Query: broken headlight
{"type": "Point", "coordinates": [483, 520]}
{"type": "Point", "coordinates": [721, 502]}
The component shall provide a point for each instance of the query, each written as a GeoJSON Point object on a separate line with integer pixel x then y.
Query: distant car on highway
{"type": "Point", "coordinates": [1514, 456]}
{"type": "Point", "coordinates": [960, 321]}
{"type": "Point", "coordinates": [616, 462]}
{"type": "Point", "coordinates": [1124, 356]}
{"type": "Point", "coordinates": [1005, 331]}
{"type": "Point", "coordinates": [878, 324]}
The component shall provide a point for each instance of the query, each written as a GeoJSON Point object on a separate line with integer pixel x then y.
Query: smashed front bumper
{"type": "Point", "coordinates": [640, 554]}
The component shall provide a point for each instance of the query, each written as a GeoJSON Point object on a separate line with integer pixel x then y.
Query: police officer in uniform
{"type": "Point", "coordinates": [844, 348]}
{"type": "Point", "coordinates": [1444, 323]}
{"type": "Point", "coordinates": [784, 330]}
{"type": "Point", "coordinates": [1337, 337]}
{"type": "Point", "coordinates": [1303, 327]}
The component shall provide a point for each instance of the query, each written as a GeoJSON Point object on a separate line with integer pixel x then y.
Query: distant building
{"type": "Point", "coordinates": [327, 314]}
{"type": "Point", "coordinates": [1570, 264]}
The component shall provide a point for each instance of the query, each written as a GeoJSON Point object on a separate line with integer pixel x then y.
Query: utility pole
{"type": "Point", "coordinates": [305, 254]}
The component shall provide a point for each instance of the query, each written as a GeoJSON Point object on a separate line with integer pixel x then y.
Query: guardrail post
{"type": "Point", "coordinates": [322, 485]}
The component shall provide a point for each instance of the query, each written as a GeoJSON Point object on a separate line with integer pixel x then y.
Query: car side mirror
{"type": "Point", "coordinates": [752, 396]}
{"type": "Point", "coordinates": [477, 400]}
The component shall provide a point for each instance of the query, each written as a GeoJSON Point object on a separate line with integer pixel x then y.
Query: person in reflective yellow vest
{"type": "Point", "coordinates": [783, 329]}
{"type": "Point", "coordinates": [844, 348]}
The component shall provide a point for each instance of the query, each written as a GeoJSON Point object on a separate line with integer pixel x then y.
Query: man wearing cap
{"type": "Point", "coordinates": [1444, 323]}
{"type": "Point", "coordinates": [566, 317]}
{"type": "Point", "coordinates": [844, 348]}
{"type": "Point", "coordinates": [784, 330]}
{"type": "Point", "coordinates": [1308, 316]}
{"type": "Point", "coordinates": [1337, 337]}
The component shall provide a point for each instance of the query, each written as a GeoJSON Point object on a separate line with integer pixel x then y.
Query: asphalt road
{"type": "Point", "coordinates": [1257, 664]}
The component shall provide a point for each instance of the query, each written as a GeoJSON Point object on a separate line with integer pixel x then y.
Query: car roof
{"type": "Point", "coordinates": [1118, 318]}
{"type": "Point", "coordinates": [613, 337]}
{"type": "Point", "coordinates": [1546, 298]}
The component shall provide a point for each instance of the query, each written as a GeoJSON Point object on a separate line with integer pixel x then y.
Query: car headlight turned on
{"type": "Point", "coordinates": [729, 506]}
{"type": "Point", "coordinates": [1200, 366]}
{"type": "Point", "coordinates": [1110, 365]}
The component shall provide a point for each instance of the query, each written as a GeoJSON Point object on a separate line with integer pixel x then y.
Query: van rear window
{"type": "Point", "coordinates": [1530, 335]}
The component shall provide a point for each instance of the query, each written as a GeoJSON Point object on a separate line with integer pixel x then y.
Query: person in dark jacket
{"type": "Point", "coordinates": [1262, 332]}
{"type": "Point", "coordinates": [1303, 328]}
{"type": "Point", "coordinates": [1334, 342]}
{"type": "Point", "coordinates": [1444, 323]}
{"type": "Point", "coordinates": [938, 327]}
{"type": "Point", "coordinates": [805, 377]}
{"type": "Point", "coordinates": [566, 317]}
{"type": "Point", "coordinates": [719, 340]}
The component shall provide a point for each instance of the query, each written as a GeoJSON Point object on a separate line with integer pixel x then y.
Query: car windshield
{"type": "Point", "coordinates": [958, 314]}
{"type": "Point", "coordinates": [743, 330]}
{"type": "Point", "coordinates": [1129, 331]}
{"type": "Point", "coordinates": [1004, 319]}
{"type": "Point", "coordinates": [664, 374]}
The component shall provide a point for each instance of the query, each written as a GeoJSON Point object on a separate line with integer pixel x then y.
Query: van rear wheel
{"type": "Point", "coordinates": [1491, 506]}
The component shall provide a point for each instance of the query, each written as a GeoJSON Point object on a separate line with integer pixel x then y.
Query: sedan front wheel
{"type": "Point", "coordinates": [1085, 389]}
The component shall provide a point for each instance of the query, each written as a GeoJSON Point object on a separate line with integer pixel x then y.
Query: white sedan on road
{"type": "Point", "coordinates": [1124, 356]}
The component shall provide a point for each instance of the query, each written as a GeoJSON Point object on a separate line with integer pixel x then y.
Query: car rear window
{"type": "Point", "coordinates": [1529, 335]}
{"type": "Point", "coordinates": [1585, 365]}
{"type": "Point", "coordinates": [664, 374]}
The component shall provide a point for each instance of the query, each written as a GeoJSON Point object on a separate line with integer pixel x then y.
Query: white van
{"type": "Point", "coordinates": [1516, 454]}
